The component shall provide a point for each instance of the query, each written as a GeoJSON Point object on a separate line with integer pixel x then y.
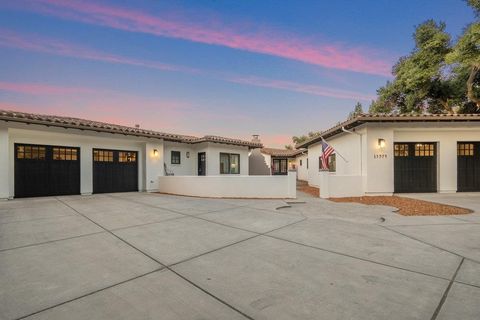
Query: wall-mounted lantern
{"type": "Point", "coordinates": [188, 154]}
{"type": "Point", "coordinates": [381, 143]}
{"type": "Point", "coordinates": [155, 152]}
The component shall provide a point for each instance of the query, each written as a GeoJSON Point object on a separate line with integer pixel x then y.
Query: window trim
{"type": "Point", "coordinates": [280, 161]}
{"type": "Point", "coordinates": [172, 152]}
{"type": "Point", "coordinates": [332, 163]}
{"type": "Point", "coordinates": [229, 162]}
{"type": "Point", "coordinates": [463, 151]}
{"type": "Point", "coordinates": [103, 156]}
{"type": "Point", "coordinates": [132, 159]}
{"type": "Point", "coordinates": [38, 152]}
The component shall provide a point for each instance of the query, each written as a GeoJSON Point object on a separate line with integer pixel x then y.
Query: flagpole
{"type": "Point", "coordinates": [335, 151]}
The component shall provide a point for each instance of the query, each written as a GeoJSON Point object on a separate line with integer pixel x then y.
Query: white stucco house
{"type": "Point", "coordinates": [386, 154]}
{"type": "Point", "coordinates": [45, 155]}
{"type": "Point", "coordinates": [272, 161]}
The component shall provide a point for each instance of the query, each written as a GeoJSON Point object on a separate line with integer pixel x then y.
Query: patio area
{"type": "Point", "coordinates": [150, 256]}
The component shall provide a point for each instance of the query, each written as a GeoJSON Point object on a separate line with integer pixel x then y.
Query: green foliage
{"type": "Point", "coordinates": [435, 77]}
{"type": "Point", "coordinates": [303, 138]}
{"type": "Point", "coordinates": [475, 4]}
{"type": "Point", "coordinates": [357, 110]}
{"type": "Point", "coordinates": [288, 147]}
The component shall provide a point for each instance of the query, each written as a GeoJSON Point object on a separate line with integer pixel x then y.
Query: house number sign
{"type": "Point", "coordinates": [380, 156]}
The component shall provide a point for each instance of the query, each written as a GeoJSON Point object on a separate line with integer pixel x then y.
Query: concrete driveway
{"type": "Point", "coordinates": [147, 256]}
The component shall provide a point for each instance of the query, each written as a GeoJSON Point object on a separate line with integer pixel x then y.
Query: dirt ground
{"type": "Point", "coordinates": [407, 206]}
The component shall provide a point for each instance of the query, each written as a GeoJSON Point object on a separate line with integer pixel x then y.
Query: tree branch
{"type": "Point", "coordinates": [470, 82]}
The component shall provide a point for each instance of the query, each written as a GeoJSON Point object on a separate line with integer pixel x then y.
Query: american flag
{"type": "Point", "coordinates": [327, 151]}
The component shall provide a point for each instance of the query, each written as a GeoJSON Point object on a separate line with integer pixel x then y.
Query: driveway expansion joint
{"type": "Point", "coordinates": [447, 290]}
{"type": "Point", "coordinates": [429, 244]}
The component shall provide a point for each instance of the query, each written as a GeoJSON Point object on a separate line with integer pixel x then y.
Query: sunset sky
{"type": "Point", "coordinates": [232, 68]}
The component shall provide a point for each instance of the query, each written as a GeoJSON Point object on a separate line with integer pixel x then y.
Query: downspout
{"type": "Point", "coordinates": [361, 151]}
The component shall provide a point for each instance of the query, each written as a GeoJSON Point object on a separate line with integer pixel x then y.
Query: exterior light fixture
{"type": "Point", "coordinates": [381, 143]}
{"type": "Point", "coordinates": [188, 154]}
{"type": "Point", "coordinates": [155, 152]}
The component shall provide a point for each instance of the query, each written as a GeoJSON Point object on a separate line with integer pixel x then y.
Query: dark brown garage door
{"type": "Point", "coordinates": [46, 170]}
{"type": "Point", "coordinates": [468, 166]}
{"type": "Point", "coordinates": [115, 171]}
{"type": "Point", "coordinates": [415, 166]}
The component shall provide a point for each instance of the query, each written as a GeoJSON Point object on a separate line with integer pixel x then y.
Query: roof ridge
{"type": "Point", "coordinates": [12, 115]}
{"type": "Point", "coordinates": [378, 117]}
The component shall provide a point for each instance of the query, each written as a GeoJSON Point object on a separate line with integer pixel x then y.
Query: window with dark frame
{"type": "Point", "coordinates": [31, 152]}
{"type": "Point", "coordinates": [229, 163]}
{"type": "Point", "coordinates": [126, 156]}
{"type": "Point", "coordinates": [401, 150]}
{"type": "Point", "coordinates": [102, 156]}
{"type": "Point", "coordinates": [332, 163]}
{"type": "Point", "coordinates": [424, 150]}
{"type": "Point", "coordinates": [65, 154]}
{"type": "Point", "coordinates": [279, 166]}
{"type": "Point", "coordinates": [465, 149]}
{"type": "Point", "coordinates": [175, 157]}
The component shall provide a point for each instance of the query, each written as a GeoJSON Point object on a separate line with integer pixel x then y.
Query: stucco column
{"type": "Point", "coordinates": [4, 164]}
{"type": "Point", "coordinates": [324, 176]}
{"type": "Point", "coordinates": [292, 184]}
{"type": "Point", "coordinates": [447, 163]}
{"type": "Point", "coordinates": [86, 170]}
{"type": "Point", "coordinates": [153, 162]}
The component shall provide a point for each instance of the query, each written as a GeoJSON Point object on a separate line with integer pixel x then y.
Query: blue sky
{"type": "Point", "coordinates": [231, 68]}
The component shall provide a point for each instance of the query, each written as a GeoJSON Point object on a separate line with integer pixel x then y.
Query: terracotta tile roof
{"type": "Point", "coordinates": [82, 124]}
{"type": "Point", "coordinates": [371, 118]}
{"type": "Point", "coordinates": [282, 152]}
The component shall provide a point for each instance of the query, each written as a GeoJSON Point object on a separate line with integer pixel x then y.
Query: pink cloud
{"type": "Point", "coordinates": [56, 47]}
{"type": "Point", "coordinates": [303, 88]}
{"type": "Point", "coordinates": [40, 89]}
{"type": "Point", "coordinates": [214, 32]}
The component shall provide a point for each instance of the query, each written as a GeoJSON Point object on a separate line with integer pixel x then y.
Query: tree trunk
{"type": "Point", "coordinates": [470, 82]}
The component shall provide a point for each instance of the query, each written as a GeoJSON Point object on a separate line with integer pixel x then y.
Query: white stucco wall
{"type": "Point", "coordinates": [230, 186]}
{"type": "Point", "coordinates": [187, 166]}
{"type": "Point", "coordinates": [374, 166]}
{"type": "Point", "coordinates": [86, 141]}
{"type": "Point", "coordinates": [258, 163]}
{"type": "Point", "coordinates": [348, 145]}
{"type": "Point", "coordinates": [153, 164]}
{"type": "Point", "coordinates": [379, 170]}
{"type": "Point", "coordinates": [213, 158]}
{"type": "Point", "coordinates": [302, 172]}
{"type": "Point", "coordinates": [4, 166]}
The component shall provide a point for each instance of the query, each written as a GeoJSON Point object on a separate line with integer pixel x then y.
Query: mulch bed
{"type": "Point", "coordinates": [407, 206]}
{"type": "Point", "coordinates": [310, 190]}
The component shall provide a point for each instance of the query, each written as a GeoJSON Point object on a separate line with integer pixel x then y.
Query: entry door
{"type": "Point", "coordinates": [468, 166]}
{"type": "Point", "coordinates": [415, 167]}
{"type": "Point", "coordinates": [46, 170]}
{"type": "Point", "coordinates": [115, 171]}
{"type": "Point", "coordinates": [202, 163]}
{"type": "Point", "coordinates": [279, 166]}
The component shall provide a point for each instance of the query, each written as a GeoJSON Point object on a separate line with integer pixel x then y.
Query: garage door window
{"type": "Point", "coordinates": [65, 154]}
{"type": "Point", "coordinates": [103, 156]}
{"type": "Point", "coordinates": [31, 152]}
{"type": "Point", "coordinates": [127, 156]}
{"type": "Point", "coordinates": [424, 150]}
{"type": "Point", "coordinates": [401, 150]}
{"type": "Point", "coordinates": [465, 149]}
